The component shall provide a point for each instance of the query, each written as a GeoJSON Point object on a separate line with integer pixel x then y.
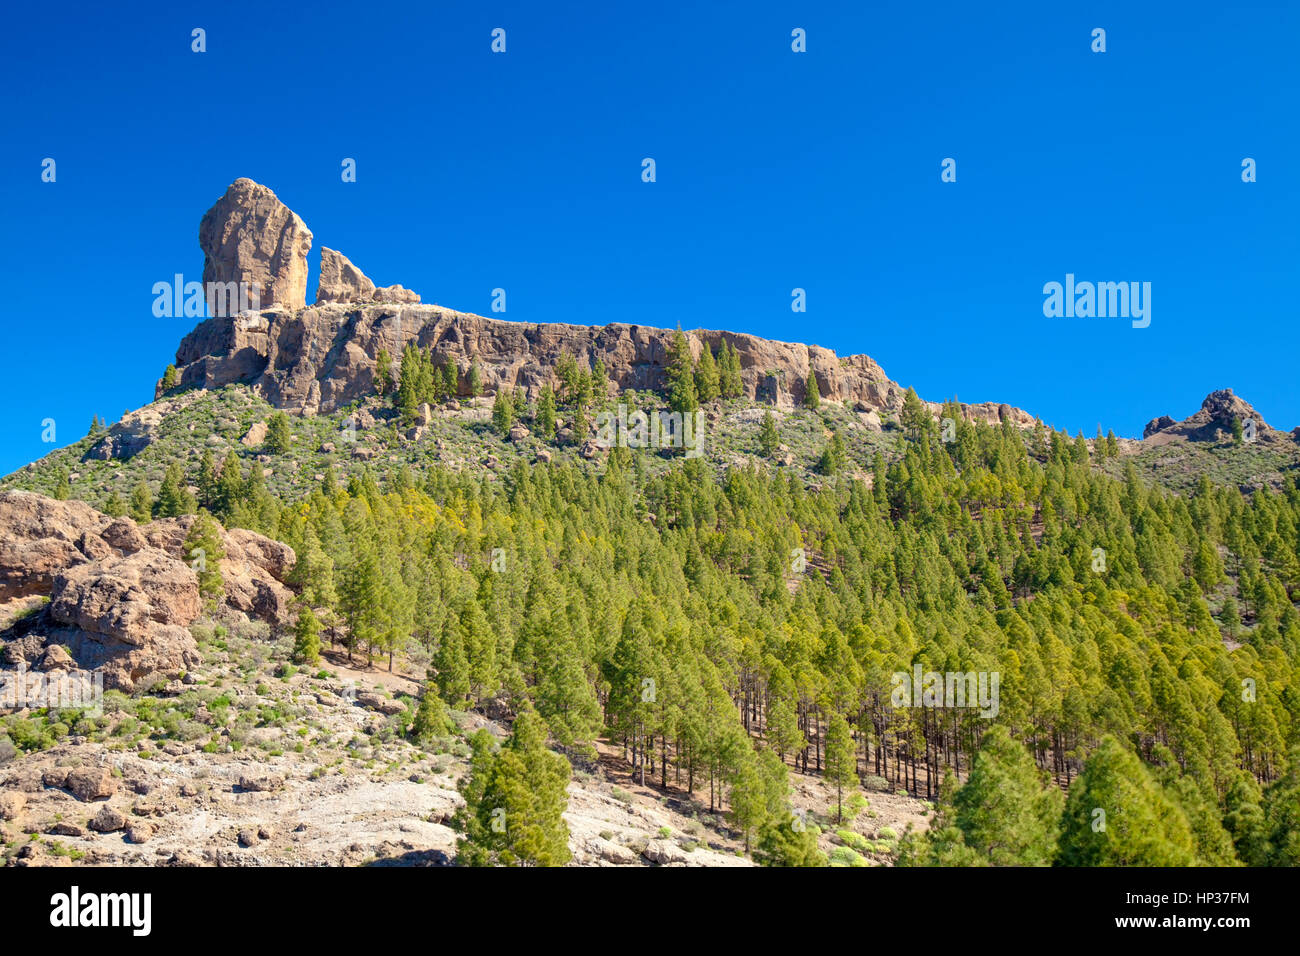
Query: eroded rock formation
{"type": "Point", "coordinates": [122, 596]}
{"type": "Point", "coordinates": [250, 236]}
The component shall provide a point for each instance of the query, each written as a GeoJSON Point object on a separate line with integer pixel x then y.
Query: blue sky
{"type": "Point", "coordinates": [775, 170]}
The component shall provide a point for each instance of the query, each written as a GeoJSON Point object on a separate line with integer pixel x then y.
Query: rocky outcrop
{"type": "Point", "coordinates": [129, 616]}
{"type": "Point", "coordinates": [341, 281]}
{"type": "Point", "coordinates": [1212, 422]}
{"type": "Point", "coordinates": [254, 570]}
{"type": "Point", "coordinates": [122, 596]}
{"type": "Point", "coordinates": [250, 236]}
{"type": "Point", "coordinates": [39, 537]}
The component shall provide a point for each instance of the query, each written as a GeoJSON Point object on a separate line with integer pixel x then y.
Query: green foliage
{"type": "Point", "coordinates": [306, 638]}
{"type": "Point", "coordinates": [174, 498]}
{"type": "Point", "coordinates": [768, 439]}
{"type": "Point", "coordinates": [682, 394]}
{"type": "Point", "coordinates": [1118, 815]}
{"type": "Point", "coordinates": [431, 719]}
{"type": "Point", "coordinates": [383, 372]}
{"type": "Point", "coordinates": [1007, 811]}
{"type": "Point", "coordinates": [707, 382]}
{"type": "Point", "coordinates": [812, 392]}
{"type": "Point", "coordinates": [278, 436]}
{"type": "Point", "coordinates": [204, 551]}
{"type": "Point", "coordinates": [545, 420]}
{"type": "Point", "coordinates": [503, 412]}
{"type": "Point", "coordinates": [515, 799]}
{"type": "Point", "coordinates": [140, 507]}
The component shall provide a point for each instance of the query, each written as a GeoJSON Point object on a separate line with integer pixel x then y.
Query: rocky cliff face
{"type": "Point", "coordinates": [323, 357]}
{"type": "Point", "coordinates": [320, 358]}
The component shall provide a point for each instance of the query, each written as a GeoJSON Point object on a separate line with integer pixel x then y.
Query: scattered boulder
{"type": "Point", "coordinates": [664, 852]}
{"type": "Point", "coordinates": [255, 435]}
{"type": "Point", "coordinates": [139, 832]}
{"type": "Point", "coordinates": [261, 783]}
{"type": "Point", "coordinates": [91, 783]}
{"type": "Point", "coordinates": [12, 804]}
{"type": "Point", "coordinates": [107, 820]}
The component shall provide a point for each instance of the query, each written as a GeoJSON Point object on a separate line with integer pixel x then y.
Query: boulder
{"type": "Point", "coordinates": [261, 782]}
{"type": "Point", "coordinates": [12, 804]}
{"type": "Point", "coordinates": [664, 852]}
{"type": "Point", "coordinates": [90, 783]}
{"type": "Point", "coordinates": [255, 436]}
{"type": "Point", "coordinates": [107, 820]}
{"type": "Point", "coordinates": [140, 832]}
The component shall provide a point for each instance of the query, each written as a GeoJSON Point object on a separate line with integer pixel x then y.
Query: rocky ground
{"type": "Point", "coordinates": [250, 762]}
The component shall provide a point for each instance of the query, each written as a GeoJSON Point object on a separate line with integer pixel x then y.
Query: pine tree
{"type": "Point", "coordinates": [475, 381]}
{"type": "Point", "coordinates": [730, 383]}
{"type": "Point", "coordinates": [141, 505]}
{"type": "Point", "coordinates": [768, 439]}
{"type": "Point", "coordinates": [812, 392]}
{"type": "Point", "coordinates": [431, 719]}
{"type": "Point", "coordinates": [174, 499]}
{"type": "Point", "coordinates": [1006, 812]}
{"type": "Point", "coordinates": [1117, 815]}
{"type": "Point", "coordinates": [515, 800]}
{"type": "Point", "coordinates": [171, 378]}
{"type": "Point", "coordinates": [841, 761]}
{"type": "Point", "coordinates": [306, 638]}
{"type": "Point", "coordinates": [278, 435]}
{"type": "Point", "coordinates": [707, 382]}
{"type": "Point", "coordinates": [915, 416]}
{"type": "Point", "coordinates": [682, 396]}
{"type": "Point", "coordinates": [62, 486]}
{"type": "Point", "coordinates": [383, 372]}
{"type": "Point", "coordinates": [503, 412]}
{"type": "Point", "coordinates": [204, 551]}
{"type": "Point", "coordinates": [451, 378]}
{"type": "Point", "coordinates": [545, 419]}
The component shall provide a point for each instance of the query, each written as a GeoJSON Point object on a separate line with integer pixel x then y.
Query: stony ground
{"type": "Point", "coordinates": [251, 762]}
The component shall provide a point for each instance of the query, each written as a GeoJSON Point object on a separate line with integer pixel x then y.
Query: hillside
{"type": "Point", "coordinates": [373, 581]}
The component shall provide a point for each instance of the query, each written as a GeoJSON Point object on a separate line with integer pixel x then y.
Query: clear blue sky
{"type": "Point", "coordinates": [775, 170]}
